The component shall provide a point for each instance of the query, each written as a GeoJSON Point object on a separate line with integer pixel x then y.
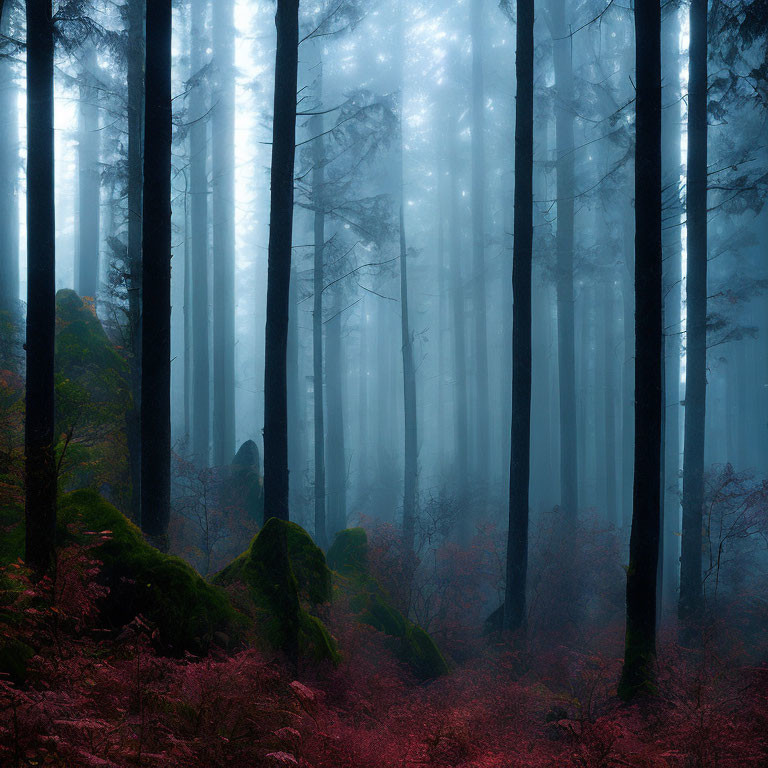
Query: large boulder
{"type": "Point", "coordinates": [348, 556]}
{"type": "Point", "coordinates": [187, 611]}
{"type": "Point", "coordinates": [285, 574]}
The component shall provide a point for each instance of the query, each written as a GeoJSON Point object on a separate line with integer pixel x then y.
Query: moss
{"type": "Point", "coordinates": [349, 553]}
{"type": "Point", "coordinates": [349, 557]}
{"type": "Point", "coordinates": [187, 610]}
{"type": "Point", "coordinates": [281, 567]}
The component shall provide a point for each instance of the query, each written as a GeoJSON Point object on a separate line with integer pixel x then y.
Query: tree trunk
{"type": "Point", "coordinates": [223, 166]}
{"type": "Point", "coordinates": [89, 179]}
{"type": "Point", "coordinates": [609, 346]}
{"type": "Point", "coordinates": [9, 181]}
{"type": "Point", "coordinates": [156, 282]}
{"type": "Point", "coordinates": [482, 444]}
{"type": "Point", "coordinates": [40, 501]}
{"type": "Point", "coordinates": [670, 126]}
{"type": "Point", "coordinates": [279, 263]}
{"type": "Point", "coordinates": [335, 448]}
{"type": "Point", "coordinates": [458, 321]}
{"type": "Point", "coordinates": [564, 116]}
{"type": "Point", "coordinates": [691, 597]}
{"type": "Point", "coordinates": [627, 371]}
{"type": "Point", "coordinates": [519, 465]}
{"type": "Point", "coordinates": [136, 36]}
{"type": "Point", "coordinates": [318, 181]}
{"type": "Point", "coordinates": [198, 162]}
{"type": "Point", "coordinates": [640, 638]}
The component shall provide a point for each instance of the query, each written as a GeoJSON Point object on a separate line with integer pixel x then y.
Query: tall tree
{"type": "Point", "coordinates": [134, 13]}
{"type": "Point", "coordinates": [564, 117]}
{"type": "Point", "coordinates": [691, 595]}
{"type": "Point", "coordinates": [223, 170]}
{"type": "Point", "coordinates": [640, 637]}
{"type": "Point", "coordinates": [156, 278]}
{"type": "Point", "coordinates": [89, 177]}
{"type": "Point", "coordinates": [457, 313]}
{"type": "Point", "coordinates": [9, 176]}
{"type": "Point", "coordinates": [336, 464]}
{"type": "Point", "coordinates": [279, 262]}
{"type": "Point", "coordinates": [671, 168]}
{"type": "Point", "coordinates": [479, 308]}
{"type": "Point", "coordinates": [318, 183]}
{"type": "Point", "coordinates": [520, 457]}
{"type": "Point", "coordinates": [410, 458]}
{"type": "Point", "coordinates": [40, 502]}
{"type": "Point", "coordinates": [198, 161]}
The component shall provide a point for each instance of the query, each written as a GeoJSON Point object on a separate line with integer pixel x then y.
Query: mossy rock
{"type": "Point", "coordinates": [413, 646]}
{"type": "Point", "coordinates": [281, 568]}
{"type": "Point", "coordinates": [186, 610]}
{"type": "Point", "coordinates": [348, 554]}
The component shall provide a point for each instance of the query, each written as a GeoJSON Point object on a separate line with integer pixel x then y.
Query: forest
{"type": "Point", "coordinates": [384, 383]}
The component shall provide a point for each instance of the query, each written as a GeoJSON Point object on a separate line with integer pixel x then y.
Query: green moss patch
{"type": "Point", "coordinates": [281, 569]}
{"type": "Point", "coordinates": [413, 646]}
{"type": "Point", "coordinates": [166, 591]}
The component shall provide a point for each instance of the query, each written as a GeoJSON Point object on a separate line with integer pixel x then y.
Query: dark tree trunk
{"type": "Point", "coordinates": [564, 116]}
{"type": "Point", "coordinates": [520, 457]}
{"type": "Point", "coordinates": [198, 161]}
{"type": "Point", "coordinates": [691, 597]}
{"type": "Point", "coordinates": [223, 167]}
{"type": "Point", "coordinates": [40, 502]}
{"type": "Point", "coordinates": [89, 179]}
{"type": "Point", "coordinates": [156, 282]}
{"type": "Point", "coordinates": [9, 180]}
{"type": "Point", "coordinates": [136, 38]}
{"type": "Point", "coordinates": [279, 265]}
{"type": "Point", "coordinates": [640, 639]}
{"type": "Point", "coordinates": [318, 182]}
{"type": "Point", "coordinates": [482, 444]}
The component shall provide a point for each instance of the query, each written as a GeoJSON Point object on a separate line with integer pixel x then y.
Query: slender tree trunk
{"type": "Point", "coordinates": [640, 639]}
{"type": "Point", "coordinates": [198, 162]}
{"type": "Point", "coordinates": [564, 116]}
{"type": "Point", "coordinates": [223, 166]}
{"type": "Point", "coordinates": [156, 283]}
{"type": "Point", "coordinates": [362, 420]}
{"type": "Point", "coordinates": [318, 182]}
{"type": "Point", "coordinates": [9, 180]}
{"type": "Point", "coordinates": [670, 127]}
{"type": "Point", "coordinates": [40, 502]}
{"type": "Point", "coordinates": [335, 448]}
{"type": "Point", "coordinates": [89, 179]}
{"type": "Point", "coordinates": [610, 345]}
{"type": "Point", "coordinates": [136, 36]}
{"type": "Point", "coordinates": [627, 372]}
{"type": "Point", "coordinates": [691, 597]}
{"type": "Point", "coordinates": [519, 466]}
{"type": "Point", "coordinates": [458, 320]}
{"type": "Point", "coordinates": [187, 323]}
{"type": "Point", "coordinates": [279, 268]}
{"type": "Point", "coordinates": [482, 456]}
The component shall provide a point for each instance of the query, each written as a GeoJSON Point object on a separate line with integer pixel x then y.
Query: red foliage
{"type": "Point", "coordinates": [88, 701]}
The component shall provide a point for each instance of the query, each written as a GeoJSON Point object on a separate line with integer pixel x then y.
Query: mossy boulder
{"type": "Point", "coordinates": [282, 570]}
{"type": "Point", "coordinates": [186, 610]}
{"type": "Point", "coordinates": [348, 556]}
